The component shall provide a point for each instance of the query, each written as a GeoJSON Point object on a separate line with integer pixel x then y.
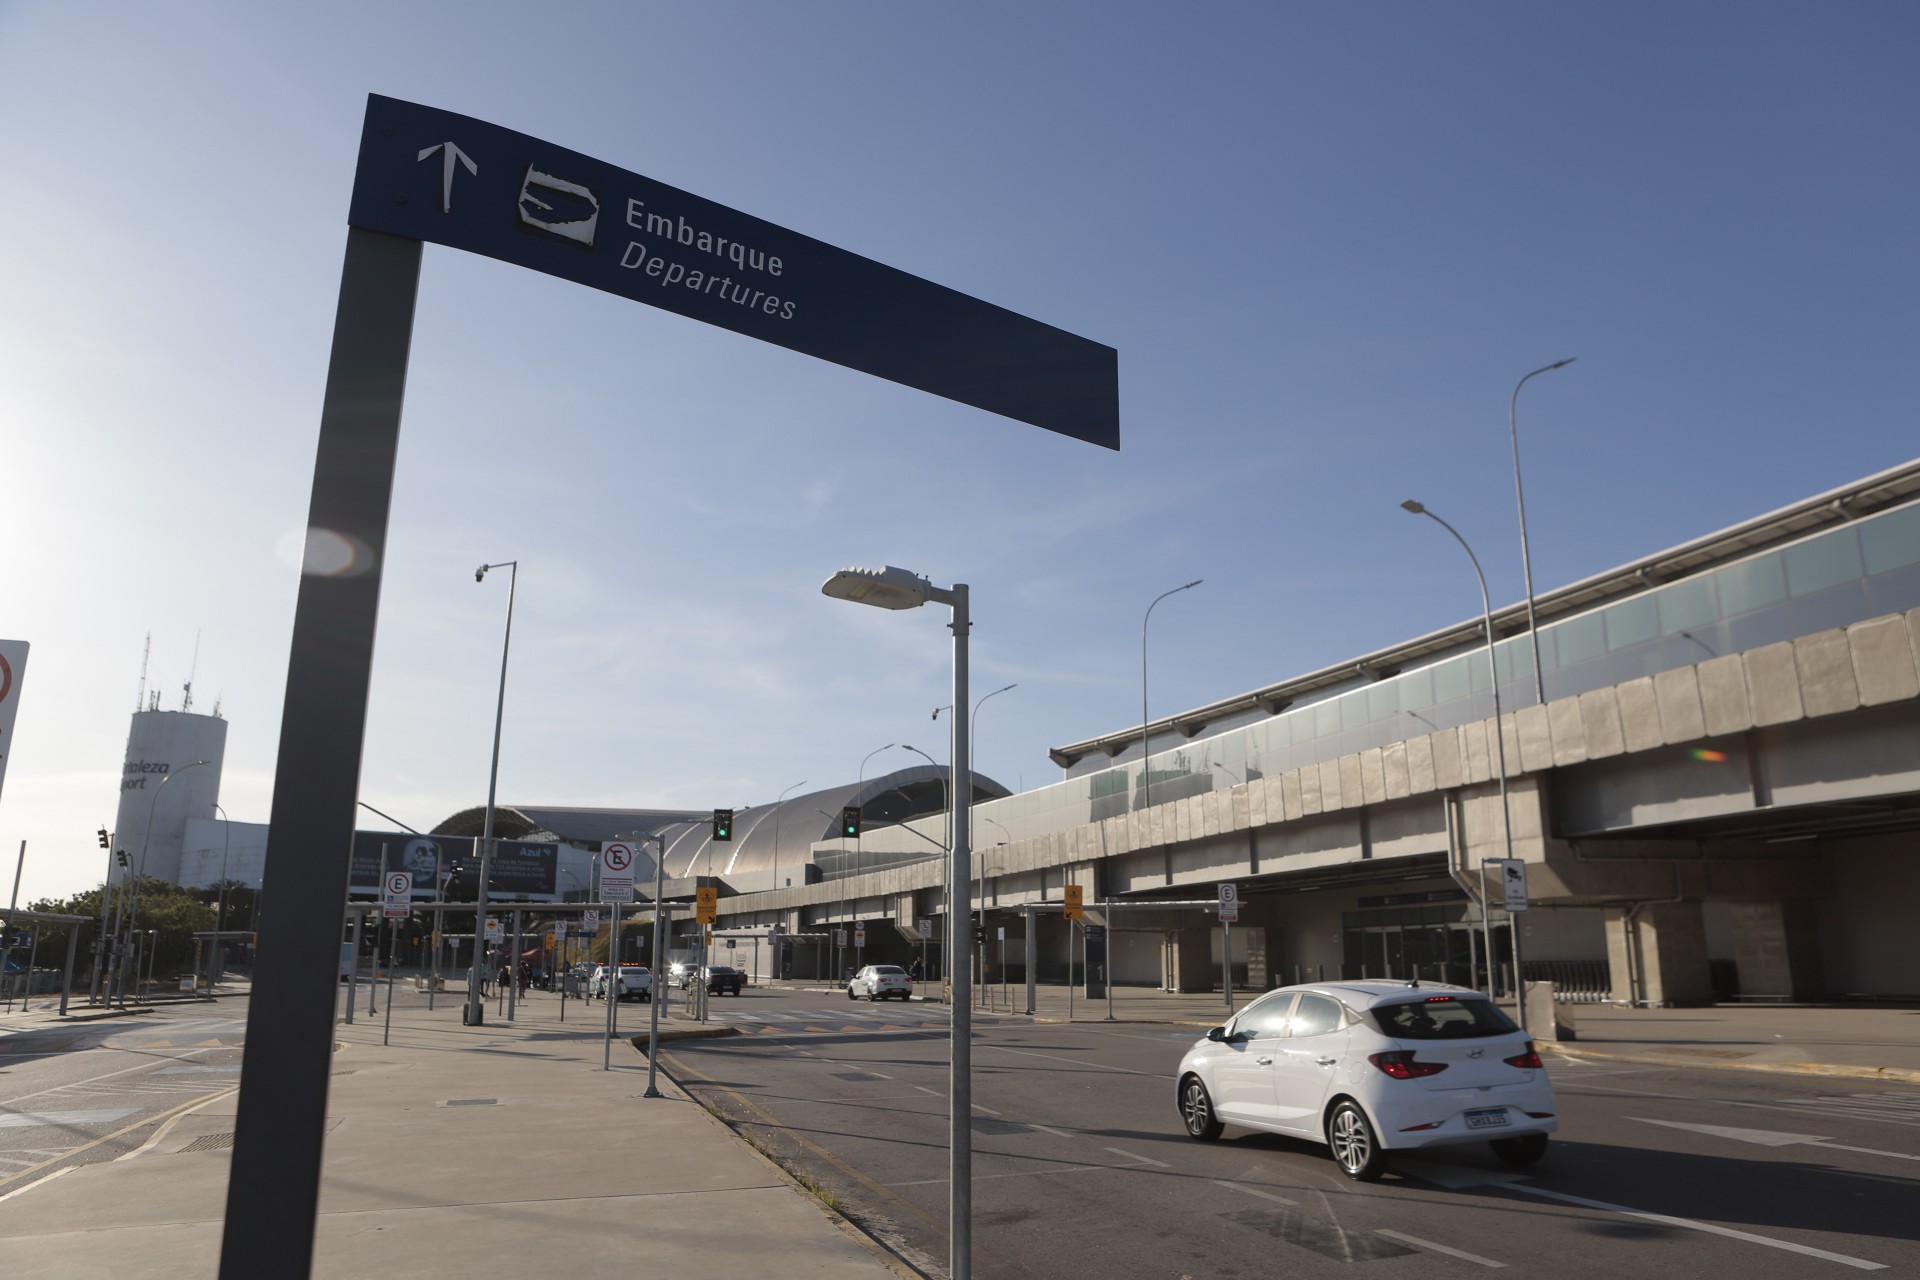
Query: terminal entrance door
{"type": "Point", "coordinates": [1402, 950]}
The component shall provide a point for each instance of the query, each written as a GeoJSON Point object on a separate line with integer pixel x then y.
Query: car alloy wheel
{"type": "Point", "coordinates": [1196, 1111]}
{"type": "Point", "coordinates": [1355, 1149]}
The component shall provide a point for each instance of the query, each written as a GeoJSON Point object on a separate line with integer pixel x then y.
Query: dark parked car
{"type": "Point", "coordinates": [724, 980]}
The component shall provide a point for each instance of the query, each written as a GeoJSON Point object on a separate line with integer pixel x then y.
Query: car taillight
{"type": "Point", "coordinates": [1401, 1065]}
{"type": "Point", "coordinates": [1528, 1061]}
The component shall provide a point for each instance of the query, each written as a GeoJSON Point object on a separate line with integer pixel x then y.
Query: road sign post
{"type": "Point", "coordinates": [1513, 885]}
{"type": "Point", "coordinates": [1229, 912]}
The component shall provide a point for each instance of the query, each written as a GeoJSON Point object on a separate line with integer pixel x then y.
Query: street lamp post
{"type": "Point", "coordinates": [973, 736]}
{"type": "Point", "coordinates": [775, 966]}
{"type": "Point", "coordinates": [1146, 770]}
{"type": "Point", "coordinates": [1520, 497]}
{"type": "Point", "coordinates": [894, 588]}
{"type": "Point", "coordinates": [220, 921]}
{"type": "Point", "coordinates": [946, 801]}
{"type": "Point", "coordinates": [475, 1012]}
{"type": "Point", "coordinates": [133, 902]}
{"type": "Point", "coordinates": [1500, 756]}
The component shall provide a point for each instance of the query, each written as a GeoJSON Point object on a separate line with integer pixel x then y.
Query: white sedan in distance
{"type": "Point", "coordinates": [1371, 1067]}
{"type": "Point", "coordinates": [881, 982]}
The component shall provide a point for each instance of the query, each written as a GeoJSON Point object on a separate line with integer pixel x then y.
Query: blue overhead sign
{"type": "Point", "coordinates": [433, 175]}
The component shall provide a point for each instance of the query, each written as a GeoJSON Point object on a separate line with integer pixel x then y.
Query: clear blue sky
{"type": "Point", "coordinates": [1326, 241]}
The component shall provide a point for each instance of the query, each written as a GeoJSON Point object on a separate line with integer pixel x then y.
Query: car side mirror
{"type": "Point", "coordinates": [1217, 1035]}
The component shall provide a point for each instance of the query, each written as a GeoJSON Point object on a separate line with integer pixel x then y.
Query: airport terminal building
{"type": "Point", "coordinates": [1711, 772]}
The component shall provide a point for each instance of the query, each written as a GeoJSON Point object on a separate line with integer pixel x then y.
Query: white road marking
{"type": "Point", "coordinates": [1128, 1155]}
{"type": "Point", "coordinates": [77, 1084]}
{"type": "Point", "coordinates": [1768, 1138]}
{"type": "Point", "coordinates": [1055, 1132]}
{"type": "Point", "coordinates": [935, 1092]}
{"type": "Point", "coordinates": [1759, 1137]}
{"type": "Point", "coordinates": [1255, 1191]}
{"type": "Point", "coordinates": [30, 1119]}
{"type": "Point", "coordinates": [1030, 1173]}
{"type": "Point", "coordinates": [20, 1191]}
{"type": "Point", "coordinates": [1708, 1227]}
{"type": "Point", "coordinates": [1078, 1062]}
{"type": "Point", "coordinates": [1418, 1243]}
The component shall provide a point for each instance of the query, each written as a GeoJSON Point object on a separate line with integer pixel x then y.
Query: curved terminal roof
{"type": "Point", "coordinates": [796, 824]}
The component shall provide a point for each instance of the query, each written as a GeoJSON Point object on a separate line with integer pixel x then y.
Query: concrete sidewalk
{"type": "Point", "coordinates": [462, 1151]}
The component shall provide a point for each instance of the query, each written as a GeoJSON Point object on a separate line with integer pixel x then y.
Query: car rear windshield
{"type": "Point", "coordinates": [1440, 1018]}
{"type": "Point", "coordinates": [888, 970]}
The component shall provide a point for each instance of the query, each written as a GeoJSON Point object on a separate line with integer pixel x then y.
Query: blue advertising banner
{"type": "Point", "coordinates": [433, 175]}
{"type": "Point", "coordinates": [520, 867]}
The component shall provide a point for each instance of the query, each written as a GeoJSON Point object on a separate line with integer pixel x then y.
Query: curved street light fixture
{"type": "Point", "coordinates": [870, 755]}
{"type": "Point", "coordinates": [1520, 497]}
{"type": "Point", "coordinates": [1146, 770]}
{"type": "Point", "coordinates": [475, 1012]}
{"type": "Point", "coordinates": [1500, 750]}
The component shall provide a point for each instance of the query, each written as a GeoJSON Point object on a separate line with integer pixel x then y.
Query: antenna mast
{"type": "Point", "coordinates": [186, 692]}
{"type": "Point", "coordinates": [140, 699]}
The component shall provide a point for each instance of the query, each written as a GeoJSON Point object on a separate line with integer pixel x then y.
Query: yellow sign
{"type": "Point", "coordinates": [1072, 909]}
{"type": "Point", "coordinates": [707, 902]}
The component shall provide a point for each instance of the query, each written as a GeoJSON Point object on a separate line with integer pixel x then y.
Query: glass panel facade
{"type": "Point", "coordinates": [1829, 579]}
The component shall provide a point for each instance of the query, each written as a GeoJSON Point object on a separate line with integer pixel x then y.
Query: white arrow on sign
{"type": "Point", "coordinates": [453, 154]}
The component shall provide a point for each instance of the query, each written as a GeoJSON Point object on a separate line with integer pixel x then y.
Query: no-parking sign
{"type": "Point", "coordinates": [616, 871]}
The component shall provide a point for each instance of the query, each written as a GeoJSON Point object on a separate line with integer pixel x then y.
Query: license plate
{"type": "Point", "coordinates": [1494, 1118]}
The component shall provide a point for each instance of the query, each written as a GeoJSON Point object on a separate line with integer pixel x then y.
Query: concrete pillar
{"type": "Point", "coordinates": [1777, 949]}
{"type": "Point", "coordinates": [1193, 960]}
{"type": "Point", "coordinates": [1658, 954]}
{"type": "Point", "coordinates": [1253, 938]}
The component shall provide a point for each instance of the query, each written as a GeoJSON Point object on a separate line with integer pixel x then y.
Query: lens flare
{"type": "Point", "coordinates": [1709, 755]}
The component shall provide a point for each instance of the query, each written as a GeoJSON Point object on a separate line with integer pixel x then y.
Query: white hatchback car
{"type": "Point", "coordinates": [1372, 1067]}
{"type": "Point", "coordinates": [881, 982]}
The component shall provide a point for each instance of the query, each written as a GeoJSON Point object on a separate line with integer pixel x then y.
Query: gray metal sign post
{"type": "Point", "coordinates": [353, 969]}
{"type": "Point", "coordinates": [659, 951]}
{"type": "Point", "coordinates": [610, 990]}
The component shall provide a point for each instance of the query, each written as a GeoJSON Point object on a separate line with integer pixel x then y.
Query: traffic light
{"type": "Point", "coordinates": [850, 822]}
{"type": "Point", "coordinates": [723, 824]}
{"type": "Point", "coordinates": [120, 856]}
{"type": "Point", "coordinates": [980, 935]}
{"type": "Point", "coordinates": [104, 842]}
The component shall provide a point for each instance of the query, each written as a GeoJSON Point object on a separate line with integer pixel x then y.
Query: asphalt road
{"type": "Point", "coordinates": [93, 1091]}
{"type": "Point", "coordinates": [1082, 1169]}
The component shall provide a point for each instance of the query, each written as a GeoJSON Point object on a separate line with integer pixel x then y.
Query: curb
{"type": "Point", "coordinates": [667, 1036]}
{"type": "Point", "coordinates": [1850, 1071]}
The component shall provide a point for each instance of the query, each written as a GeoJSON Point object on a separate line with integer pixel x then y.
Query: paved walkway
{"type": "Point", "coordinates": [458, 1150]}
{"type": "Point", "coordinates": [504, 1149]}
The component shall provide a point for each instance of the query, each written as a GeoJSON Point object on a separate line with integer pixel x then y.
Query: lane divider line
{"type": "Point", "coordinates": [1255, 1191]}
{"type": "Point", "coordinates": [1418, 1243]}
{"type": "Point", "coordinates": [1128, 1155]}
{"type": "Point", "coordinates": [1708, 1227]}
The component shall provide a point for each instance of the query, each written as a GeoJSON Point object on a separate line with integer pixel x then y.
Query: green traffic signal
{"type": "Point", "coordinates": [850, 822]}
{"type": "Point", "coordinates": [723, 824]}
